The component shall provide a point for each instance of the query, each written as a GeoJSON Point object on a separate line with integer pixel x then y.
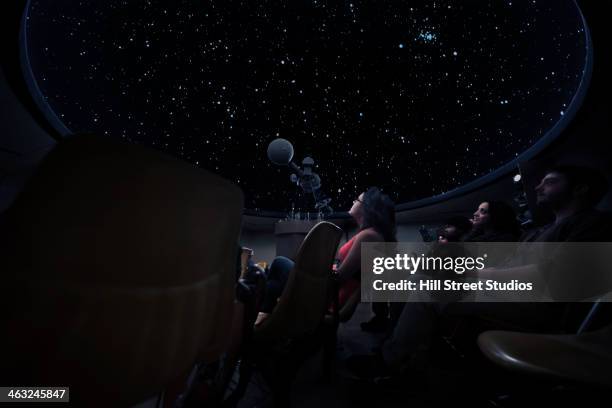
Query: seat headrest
{"type": "Point", "coordinates": [122, 262]}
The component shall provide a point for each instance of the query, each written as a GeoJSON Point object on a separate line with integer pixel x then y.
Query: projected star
{"type": "Point", "coordinates": [415, 97]}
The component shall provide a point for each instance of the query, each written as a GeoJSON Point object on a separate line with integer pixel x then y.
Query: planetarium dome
{"type": "Point", "coordinates": [423, 99]}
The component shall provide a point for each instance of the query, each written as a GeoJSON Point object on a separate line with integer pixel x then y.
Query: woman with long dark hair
{"type": "Point", "coordinates": [494, 221]}
{"type": "Point", "coordinates": [374, 213]}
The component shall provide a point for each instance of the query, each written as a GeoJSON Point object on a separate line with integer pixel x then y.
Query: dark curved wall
{"type": "Point", "coordinates": [588, 138]}
{"type": "Point", "coordinates": [25, 136]}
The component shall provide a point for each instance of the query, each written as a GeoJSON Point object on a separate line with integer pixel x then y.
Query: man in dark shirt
{"type": "Point", "coordinates": [571, 193]}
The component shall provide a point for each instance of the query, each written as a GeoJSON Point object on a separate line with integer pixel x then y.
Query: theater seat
{"type": "Point", "coordinates": [585, 357]}
{"type": "Point", "coordinates": [121, 267]}
{"type": "Point", "coordinates": [332, 322]}
{"type": "Point", "coordinates": [346, 311]}
{"type": "Point", "coordinates": [292, 331]}
{"type": "Point", "coordinates": [307, 294]}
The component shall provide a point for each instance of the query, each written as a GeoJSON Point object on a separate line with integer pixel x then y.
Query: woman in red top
{"type": "Point", "coordinates": [375, 216]}
{"type": "Point", "coordinates": [374, 213]}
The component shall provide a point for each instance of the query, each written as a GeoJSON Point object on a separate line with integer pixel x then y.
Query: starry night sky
{"type": "Point", "coordinates": [416, 97]}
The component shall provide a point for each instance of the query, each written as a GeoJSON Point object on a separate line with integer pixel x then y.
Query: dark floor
{"type": "Point", "coordinates": [455, 377]}
{"type": "Point", "coordinates": [309, 390]}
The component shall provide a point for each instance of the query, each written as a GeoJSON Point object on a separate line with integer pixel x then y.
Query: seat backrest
{"type": "Point", "coordinates": [306, 296]}
{"type": "Point", "coordinates": [122, 268]}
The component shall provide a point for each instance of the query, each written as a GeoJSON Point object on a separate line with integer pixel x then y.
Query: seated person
{"type": "Point", "coordinates": [494, 221]}
{"type": "Point", "coordinates": [571, 193]}
{"type": "Point", "coordinates": [276, 279]}
{"type": "Point", "coordinates": [454, 229]}
{"type": "Point", "coordinates": [374, 213]}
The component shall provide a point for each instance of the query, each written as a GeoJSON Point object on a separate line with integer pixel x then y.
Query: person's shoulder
{"type": "Point", "coordinates": [591, 217]}
{"type": "Point", "coordinates": [590, 225]}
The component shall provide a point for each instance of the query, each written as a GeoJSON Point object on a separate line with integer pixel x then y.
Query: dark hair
{"type": "Point", "coordinates": [593, 179]}
{"type": "Point", "coordinates": [379, 213]}
{"type": "Point", "coordinates": [502, 218]}
{"type": "Point", "coordinates": [503, 224]}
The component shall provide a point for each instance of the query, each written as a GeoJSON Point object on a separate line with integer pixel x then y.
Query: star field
{"type": "Point", "coordinates": [415, 97]}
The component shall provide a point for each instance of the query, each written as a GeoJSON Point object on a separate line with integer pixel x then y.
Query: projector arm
{"type": "Point", "coordinates": [296, 168]}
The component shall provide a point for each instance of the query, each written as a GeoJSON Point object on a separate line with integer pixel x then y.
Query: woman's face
{"type": "Point", "coordinates": [356, 210]}
{"type": "Point", "coordinates": [481, 216]}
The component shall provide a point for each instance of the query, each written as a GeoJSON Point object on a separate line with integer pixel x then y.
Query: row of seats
{"type": "Point", "coordinates": [121, 275]}
{"type": "Point", "coordinates": [120, 279]}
